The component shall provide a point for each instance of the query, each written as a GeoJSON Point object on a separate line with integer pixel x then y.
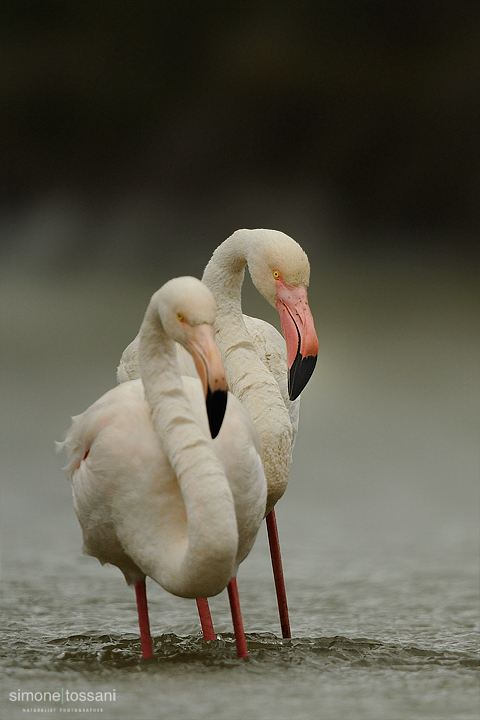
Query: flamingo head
{"type": "Point", "coordinates": [188, 317]}
{"type": "Point", "coordinates": [281, 272]}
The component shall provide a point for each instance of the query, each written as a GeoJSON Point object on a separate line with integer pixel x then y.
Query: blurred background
{"type": "Point", "coordinates": [137, 136]}
{"type": "Point", "coordinates": [131, 128]}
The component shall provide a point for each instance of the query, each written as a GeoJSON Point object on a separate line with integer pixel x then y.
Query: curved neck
{"type": "Point", "coordinates": [224, 275]}
{"type": "Point", "coordinates": [247, 376]}
{"type": "Point", "coordinates": [205, 556]}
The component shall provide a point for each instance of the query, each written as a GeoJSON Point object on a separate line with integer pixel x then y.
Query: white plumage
{"type": "Point", "coordinates": [254, 353]}
{"type": "Point", "coordinates": [265, 371]}
{"type": "Point", "coordinates": [154, 494]}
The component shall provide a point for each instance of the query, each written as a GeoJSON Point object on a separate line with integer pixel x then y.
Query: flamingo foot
{"type": "Point", "coordinates": [206, 619]}
{"type": "Point", "coordinates": [240, 641]}
{"type": "Point", "coordinates": [143, 621]}
{"type": "Point", "coordinates": [278, 573]}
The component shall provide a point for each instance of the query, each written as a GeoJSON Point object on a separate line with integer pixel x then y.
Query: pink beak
{"type": "Point", "coordinates": [205, 353]}
{"type": "Point", "coordinates": [299, 332]}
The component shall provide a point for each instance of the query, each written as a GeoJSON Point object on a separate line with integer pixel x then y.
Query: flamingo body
{"type": "Point", "coordinates": [127, 498]}
{"type": "Point", "coordinates": [153, 493]}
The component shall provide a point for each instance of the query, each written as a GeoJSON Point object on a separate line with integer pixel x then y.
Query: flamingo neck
{"type": "Point", "coordinates": [247, 376]}
{"type": "Point", "coordinates": [224, 275]}
{"type": "Point", "coordinates": [199, 561]}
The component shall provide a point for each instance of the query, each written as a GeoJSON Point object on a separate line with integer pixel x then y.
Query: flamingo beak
{"type": "Point", "coordinates": [203, 348]}
{"type": "Point", "coordinates": [299, 332]}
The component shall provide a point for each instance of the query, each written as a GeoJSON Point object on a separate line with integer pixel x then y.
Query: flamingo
{"type": "Point", "coordinates": [153, 493]}
{"type": "Point", "coordinates": [265, 371]}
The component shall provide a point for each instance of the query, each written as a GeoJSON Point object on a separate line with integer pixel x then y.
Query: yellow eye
{"type": "Point", "coordinates": [180, 317]}
{"type": "Point", "coordinates": [276, 274]}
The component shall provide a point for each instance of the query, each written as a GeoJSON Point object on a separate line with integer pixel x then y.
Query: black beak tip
{"type": "Point", "coordinates": [216, 406]}
{"type": "Point", "coordinates": [299, 374]}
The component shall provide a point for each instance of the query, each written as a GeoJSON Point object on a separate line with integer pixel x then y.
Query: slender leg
{"type": "Point", "coordinates": [143, 621]}
{"type": "Point", "coordinates": [205, 619]}
{"type": "Point", "coordinates": [278, 573]}
{"type": "Point", "coordinates": [240, 641]}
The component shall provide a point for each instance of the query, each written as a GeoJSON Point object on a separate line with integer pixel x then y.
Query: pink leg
{"type": "Point", "coordinates": [206, 619]}
{"type": "Point", "coordinates": [146, 640]}
{"type": "Point", "coordinates": [278, 573]}
{"type": "Point", "coordinates": [240, 641]}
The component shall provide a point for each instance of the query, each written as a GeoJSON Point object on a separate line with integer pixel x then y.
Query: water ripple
{"type": "Point", "coordinates": [104, 653]}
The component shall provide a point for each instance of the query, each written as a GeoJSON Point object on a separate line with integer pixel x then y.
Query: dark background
{"type": "Point", "coordinates": [130, 129]}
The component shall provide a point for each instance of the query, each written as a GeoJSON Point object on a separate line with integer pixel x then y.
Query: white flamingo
{"type": "Point", "coordinates": [153, 493]}
{"type": "Point", "coordinates": [266, 372]}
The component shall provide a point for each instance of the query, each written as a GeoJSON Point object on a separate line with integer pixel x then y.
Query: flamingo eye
{"type": "Point", "coordinates": [276, 274]}
{"type": "Point", "coordinates": [180, 317]}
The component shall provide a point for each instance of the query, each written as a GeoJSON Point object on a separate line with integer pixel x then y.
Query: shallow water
{"type": "Point", "coordinates": [379, 526]}
{"type": "Point", "coordinates": [407, 647]}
